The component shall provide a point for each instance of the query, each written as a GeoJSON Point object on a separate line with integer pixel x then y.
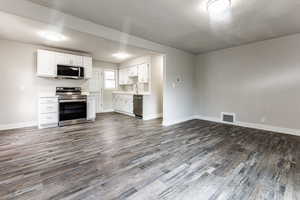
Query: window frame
{"type": "Point", "coordinates": [115, 79]}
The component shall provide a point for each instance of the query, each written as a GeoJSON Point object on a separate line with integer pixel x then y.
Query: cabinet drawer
{"type": "Point", "coordinates": [48, 108]}
{"type": "Point", "coordinates": [50, 118]}
{"type": "Point", "coordinates": [48, 100]}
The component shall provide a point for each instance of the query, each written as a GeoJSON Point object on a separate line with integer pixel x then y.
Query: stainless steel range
{"type": "Point", "coordinates": [72, 105]}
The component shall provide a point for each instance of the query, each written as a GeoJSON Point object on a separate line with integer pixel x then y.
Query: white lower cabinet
{"type": "Point", "coordinates": [48, 112]}
{"type": "Point", "coordinates": [123, 103]}
{"type": "Point", "coordinates": [91, 107]}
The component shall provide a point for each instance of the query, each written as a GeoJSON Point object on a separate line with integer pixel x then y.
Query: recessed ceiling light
{"type": "Point", "coordinates": [121, 55]}
{"type": "Point", "coordinates": [217, 7]}
{"type": "Point", "coordinates": [52, 36]}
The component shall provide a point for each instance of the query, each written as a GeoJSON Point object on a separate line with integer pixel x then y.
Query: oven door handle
{"type": "Point", "coordinates": [73, 100]}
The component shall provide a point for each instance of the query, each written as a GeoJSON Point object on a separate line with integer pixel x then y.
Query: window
{"type": "Point", "coordinates": [109, 79]}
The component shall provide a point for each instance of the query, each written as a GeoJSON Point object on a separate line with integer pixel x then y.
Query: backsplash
{"type": "Point", "coordinates": [48, 86]}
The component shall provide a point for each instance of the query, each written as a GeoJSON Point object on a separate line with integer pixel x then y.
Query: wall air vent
{"type": "Point", "coordinates": [228, 117]}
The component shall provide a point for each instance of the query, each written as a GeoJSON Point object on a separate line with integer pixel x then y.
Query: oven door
{"type": "Point", "coordinates": [72, 111]}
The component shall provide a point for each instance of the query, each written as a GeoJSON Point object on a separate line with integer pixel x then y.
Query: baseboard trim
{"type": "Point", "coordinates": [124, 113]}
{"type": "Point", "coordinates": [107, 111]}
{"type": "Point", "coordinates": [177, 121]}
{"type": "Point", "coordinates": [264, 127]}
{"type": "Point", "coordinates": [18, 125]}
{"type": "Point", "coordinates": [152, 116]}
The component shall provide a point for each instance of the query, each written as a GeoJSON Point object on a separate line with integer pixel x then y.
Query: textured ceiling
{"type": "Point", "coordinates": [185, 24]}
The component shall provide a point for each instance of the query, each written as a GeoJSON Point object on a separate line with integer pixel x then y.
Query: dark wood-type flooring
{"type": "Point", "coordinates": [119, 157]}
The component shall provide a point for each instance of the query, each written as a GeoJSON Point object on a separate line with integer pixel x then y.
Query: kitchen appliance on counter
{"type": "Point", "coordinates": [70, 72]}
{"type": "Point", "coordinates": [138, 106]}
{"type": "Point", "coordinates": [72, 105]}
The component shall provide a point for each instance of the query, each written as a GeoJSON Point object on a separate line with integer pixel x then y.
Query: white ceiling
{"type": "Point", "coordinates": [185, 24]}
{"type": "Point", "coordinates": [25, 30]}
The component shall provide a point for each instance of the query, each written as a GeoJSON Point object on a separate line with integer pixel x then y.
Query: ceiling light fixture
{"type": "Point", "coordinates": [218, 7]}
{"type": "Point", "coordinates": [121, 55]}
{"type": "Point", "coordinates": [52, 36]}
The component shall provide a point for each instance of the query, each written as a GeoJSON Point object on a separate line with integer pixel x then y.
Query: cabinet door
{"type": "Point", "coordinates": [118, 102]}
{"type": "Point", "coordinates": [143, 73]}
{"type": "Point", "coordinates": [77, 60]}
{"type": "Point", "coordinates": [88, 67]}
{"type": "Point", "coordinates": [61, 59]}
{"type": "Point", "coordinates": [114, 102]}
{"type": "Point", "coordinates": [123, 75]}
{"type": "Point", "coordinates": [128, 77]}
{"type": "Point", "coordinates": [69, 59]}
{"type": "Point", "coordinates": [46, 66]}
{"type": "Point", "coordinates": [91, 108]}
{"type": "Point", "coordinates": [120, 77]}
{"type": "Point", "coordinates": [74, 60]}
{"type": "Point", "coordinates": [124, 103]}
{"type": "Point", "coordinates": [130, 102]}
{"type": "Point", "coordinates": [48, 112]}
{"type": "Point", "coordinates": [133, 71]}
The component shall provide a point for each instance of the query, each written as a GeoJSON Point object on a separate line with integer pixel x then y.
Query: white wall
{"type": "Point", "coordinates": [153, 104]}
{"type": "Point", "coordinates": [19, 85]}
{"type": "Point", "coordinates": [260, 82]}
{"type": "Point", "coordinates": [178, 102]}
{"type": "Point", "coordinates": [107, 94]}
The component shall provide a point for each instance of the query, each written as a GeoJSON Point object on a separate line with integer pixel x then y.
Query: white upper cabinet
{"type": "Point", "coordinates": [128, 78]}
{"type": "Point", "coordinates": [74, 60]}
{"type": "Point", "coordinates": [46, 66]}
{"type": "Point", "coordinates": [47, 62]}
{"type": "Point", "coordinates": [143, 73]}
{"type": "Point", "coordinates": [123, 76]}
{"type": "Point", "coordinates": [78, 60]}
{"type": "Point", "coordinates": [61, 59]}
{"type": "Point", "coordinates": [68, 59]}
{"type": "Point", "coordinates": [133, 71]}
{"type": "Point", "coordinates": [88, 67]}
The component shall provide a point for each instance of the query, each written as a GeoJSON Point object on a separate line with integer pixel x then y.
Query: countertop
{"type": "Point", "coordinates": [130, 93]}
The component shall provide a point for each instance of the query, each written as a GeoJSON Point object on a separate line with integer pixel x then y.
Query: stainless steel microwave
{"type": "Point", "coordinates": [70, 72]}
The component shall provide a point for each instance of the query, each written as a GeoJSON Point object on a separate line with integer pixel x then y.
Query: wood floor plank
{"type": "Point", "coordinates": [120, 157]}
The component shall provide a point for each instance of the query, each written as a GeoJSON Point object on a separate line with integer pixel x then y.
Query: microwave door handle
{"type": "Point", "coordinates": [75, 100]}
